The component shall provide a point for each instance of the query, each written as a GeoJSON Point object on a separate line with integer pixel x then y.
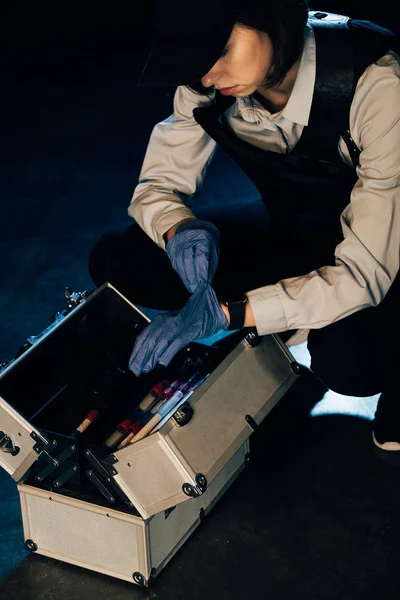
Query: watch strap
{"type": "Point", "coordinates": [237, 314]}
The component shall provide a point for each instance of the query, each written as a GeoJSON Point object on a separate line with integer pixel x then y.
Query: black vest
{"type": "Point", "coordinates": [306, 190]}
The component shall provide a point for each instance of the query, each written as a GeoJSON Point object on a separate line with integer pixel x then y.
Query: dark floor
{"type": "Point", "coordinates": [316, 514]}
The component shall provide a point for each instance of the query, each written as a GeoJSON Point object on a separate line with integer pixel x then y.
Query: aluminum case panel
{"type": "Point", "coordinates": [111, 542]}
{"type": "Point", "coordinates": [158, 471]}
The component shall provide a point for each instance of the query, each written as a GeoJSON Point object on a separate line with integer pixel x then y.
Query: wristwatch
{"type": "Point", "coordinates": [237, 313]}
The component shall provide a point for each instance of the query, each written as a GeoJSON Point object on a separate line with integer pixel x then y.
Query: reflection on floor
{"type": "Point", "coordinates": [333, 403]}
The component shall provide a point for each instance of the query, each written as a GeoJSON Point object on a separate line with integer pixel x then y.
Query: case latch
{"type": "Point", "coordinates": [8, 445]}
{"type": "Point", "coordinates": [5, 364]}
{"type": "Point", "coordinates": [74, 298]}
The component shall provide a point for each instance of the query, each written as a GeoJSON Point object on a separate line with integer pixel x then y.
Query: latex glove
{"type": "Point", "coordinates": [194, 252]}
{"type": "Point", "coordinates": [170, 332]}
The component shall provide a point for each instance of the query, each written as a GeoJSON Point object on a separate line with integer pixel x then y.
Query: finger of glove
{"type": "Point", "coordinates": [145, 343]}
{"type": "Point", "coordinates": [173, 348]}
{"type": "Point", "coordinates": [157, 350]}
{"type": "Point", "coordinates": [191, 327]}
{"type": "Point", "coordinates": [140, 355]}
{"type": "Point", "coordinates": [198, 265]}
{"type": "Point", "coordinates": [212, 307]}
{"type": "Point", "coordinates": [194, 255]}
{"type": "Point", "coordinates": [203, 315]}
{"type": "Point", "coordinates": [188, 327]}
{"type": "Point", "coordinates": [165, 334]}
{"type": "Point", "coordinates": [205, 261]}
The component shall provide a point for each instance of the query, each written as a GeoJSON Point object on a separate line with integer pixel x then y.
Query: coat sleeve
{"type": "Point", "coordinates": [174, 166]}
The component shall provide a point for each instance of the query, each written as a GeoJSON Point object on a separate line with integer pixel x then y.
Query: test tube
{"type": "Point", "coordinates": [170, 408]}
{"type": "Point", "coordinates": [133, 429]}
{"type": "Point", "coordinates": [118, 434]}
{"type": "Point", "coordinates": [87, 421]}
{"type": "Point", "coordinates": [152, 408]}
{"type": "Point", "coordinates": [154, 394]}
{"type": "Point", "coordinates": [174, 393]}
{"type": "Point", "coordinates": [153, 418]}
{"type": "Point", "coordinates": [146, 429]}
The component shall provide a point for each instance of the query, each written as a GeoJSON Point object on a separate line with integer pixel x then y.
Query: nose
{"type": "Point", "coordinates": [212, 77]}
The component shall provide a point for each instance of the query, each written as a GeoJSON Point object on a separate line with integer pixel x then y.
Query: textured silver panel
{"type": "Point", "coordinates": [251, 383]}
{"type": "Point", "coordinates": [149, 474]}
{"type": "Point", "coordinates": [165, 534]}
{"type": "Point", "coordinates": [88, 537]}
{"type": "Point", "coordinates": [224, 477]}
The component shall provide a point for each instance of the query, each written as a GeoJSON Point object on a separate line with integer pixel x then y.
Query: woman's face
{"type": "Point", "coordinates": [244, 64]}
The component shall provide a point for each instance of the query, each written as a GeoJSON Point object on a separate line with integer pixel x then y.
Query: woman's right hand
{"type": "Point", "coordinates": [193, 250]}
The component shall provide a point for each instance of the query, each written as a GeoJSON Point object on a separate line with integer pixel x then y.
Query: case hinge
{"type": "Point", "coordinates": [43, 447]}
{"type": "Point", "coordinates": [141, 580]}
{"type": "Point", "coordinates": [101, 466]}
{"type": "Point", "coordinates": [109, 463]}
{"type": "Point", "coordinates": [193, 491]}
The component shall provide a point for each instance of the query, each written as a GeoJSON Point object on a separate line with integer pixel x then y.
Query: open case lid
{"type": "Point", "coordinates": [25, 383]}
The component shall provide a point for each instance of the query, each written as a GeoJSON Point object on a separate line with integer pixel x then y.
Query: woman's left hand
{"type": "Point", "coordinates": [168, 333]}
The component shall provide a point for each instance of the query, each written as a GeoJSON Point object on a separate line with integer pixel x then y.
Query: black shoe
{"type": "Point", "coordinates": [386, 440]}
{"type": "Point", "coordinates": [386, 426]}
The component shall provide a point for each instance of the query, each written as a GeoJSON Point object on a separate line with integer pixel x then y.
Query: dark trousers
{"type": "Point", "coordinates": [353, 356]}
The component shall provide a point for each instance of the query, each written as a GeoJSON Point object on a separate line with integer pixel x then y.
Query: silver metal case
{"type": "Point", "coordinates": [167, 479]}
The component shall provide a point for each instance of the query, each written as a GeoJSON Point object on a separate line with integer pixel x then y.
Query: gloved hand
{"type": "Point", "coordinates": [170, 332]}
{"type": "Point", "coordinates": [194, 252]}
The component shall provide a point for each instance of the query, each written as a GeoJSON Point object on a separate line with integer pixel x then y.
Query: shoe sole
{"type": "Point", "coordinates": [388, 446]}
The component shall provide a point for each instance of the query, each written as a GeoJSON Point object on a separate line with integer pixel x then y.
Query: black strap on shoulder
{"type": "Point", "coordinates": [344, 49]}
{"type": "Point", "coordinates": [370, 42]}
{"type": "Point", "coordinates": [334, 78]}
